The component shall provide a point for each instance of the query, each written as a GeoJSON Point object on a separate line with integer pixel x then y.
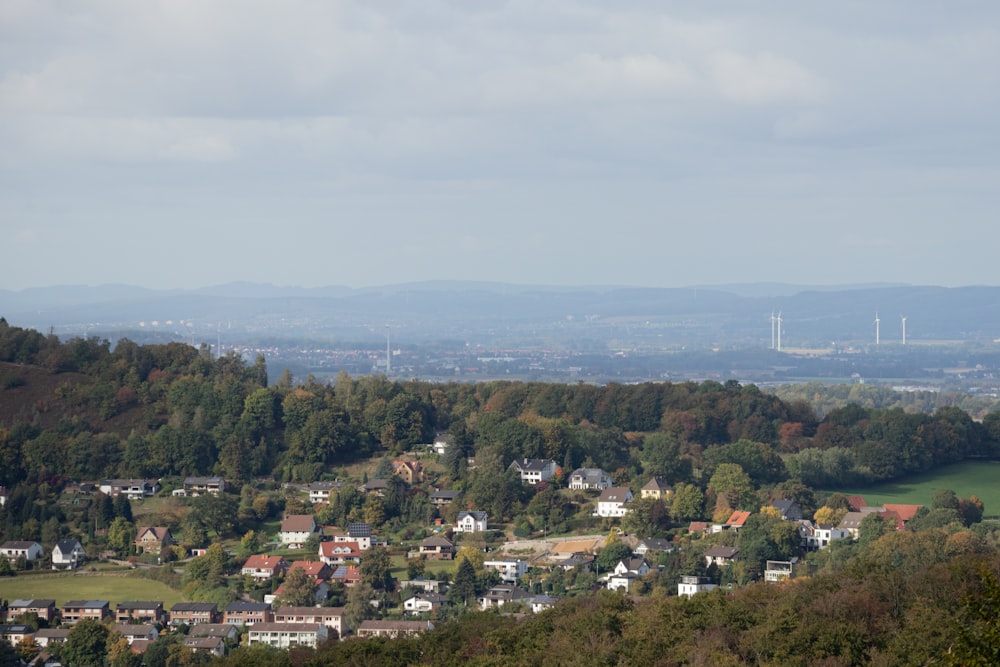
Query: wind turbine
{"type": "Point", "coordinates": [779, 331]}
{"type": "Point", "coordinates": [877, 320]}
{"type": "Point", "coordinates": [903, 319]}
{"type": "Point", "coordinates": [772, 329]}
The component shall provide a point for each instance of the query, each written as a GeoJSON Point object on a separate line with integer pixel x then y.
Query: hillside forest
{"type": "Point", "coordinates": [79, 410]}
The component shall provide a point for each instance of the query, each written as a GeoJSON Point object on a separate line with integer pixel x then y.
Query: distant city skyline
{"type": "Point", "coordinates": [169, 146]}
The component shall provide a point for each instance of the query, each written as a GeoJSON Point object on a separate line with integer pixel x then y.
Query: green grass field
{"type": "Point", "coordinates": [970, 478]}
{"type": "Point", "coordinates": [63, 587]}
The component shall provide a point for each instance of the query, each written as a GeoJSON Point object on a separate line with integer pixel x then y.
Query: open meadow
{"type": "Point", "coordinates": [61, 587]}
{"type": "Point", "coordinates": [969, 478]}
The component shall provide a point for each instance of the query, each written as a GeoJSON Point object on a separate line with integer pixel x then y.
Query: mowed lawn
{"type": "Point", "coordinates": [63, 587]}
{"type": "Point", "coordinates": [970, 478]}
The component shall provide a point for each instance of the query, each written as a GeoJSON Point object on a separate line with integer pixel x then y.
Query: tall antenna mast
{"type": "Point", "coordinates": [779, 331]}
{"type": "Point", "coordinates": [388, 352]}
{"type": "Point", "coordinates": [903, 318]}
{"type": "Point", "coordinates": [876, 327]}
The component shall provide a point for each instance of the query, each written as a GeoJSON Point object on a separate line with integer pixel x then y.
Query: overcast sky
{"type": "Point", "coordinates": [185, 143]}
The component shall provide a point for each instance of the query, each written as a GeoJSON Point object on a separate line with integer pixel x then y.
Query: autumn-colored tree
{"type": "Point", "coordinates": [829, 515]}
{"type": "Point", "coordinates": [298, 589]}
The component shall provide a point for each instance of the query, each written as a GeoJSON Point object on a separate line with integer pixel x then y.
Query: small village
{"type": "Point", "coordinates": [301, 588]}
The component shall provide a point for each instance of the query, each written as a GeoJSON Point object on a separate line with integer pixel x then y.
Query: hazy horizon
{"type": "Point", "coordinates": [170, 146]}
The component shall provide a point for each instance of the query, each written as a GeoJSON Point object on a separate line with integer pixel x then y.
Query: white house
{"type": "Point", "coordinates": [612, 501]}
{"type": "Point", "coordinates": [470, 522]}
{"type": "Point", "coordinates": [67, 555]}
{"type": "Point", "coordinates": [510, 569]}
{"type": "Point", "coordinates": [691, 585]}
{"type": "Point", "coordinates": [533, 471]}
{"type": "Point", "coordinates": [14, 549]}
{"type": "Point", "coordinates": [822, 535]}
{"type": "Point", "coordinates": [319, 492]}
{"type": "Point", "coordinates": [296, 529]}
{"type": "Point", "coordinates": [589, 478]}
{"type": "Point", "coordinates": [423, 603]}
{"type": "Point", "coordinates": [287, 635]}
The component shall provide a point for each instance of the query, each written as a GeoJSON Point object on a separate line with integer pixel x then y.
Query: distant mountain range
{"type": "Point", "coordinates": [736, 315]}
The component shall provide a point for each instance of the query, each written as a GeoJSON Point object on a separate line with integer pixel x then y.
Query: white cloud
{"type": "Point", "coordinates": [764, 79]}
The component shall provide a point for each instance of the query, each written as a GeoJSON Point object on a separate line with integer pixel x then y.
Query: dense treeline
{"type": "Point", "coordinates": [175, 410]}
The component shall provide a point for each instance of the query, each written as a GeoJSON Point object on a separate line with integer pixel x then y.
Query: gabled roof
{"type": "Point", "coordinates": [247, 605]}
{"type": "Point", "coordinates": [783, 505]}
{"type": "Point", "coordinates": [436, 541]}
{"type": "Point", "coordinates": [33, 603]}
{"type": "Point", "coordinates": [722, 552]}
{"type": "Point", "coordinates": [140, 604]}
{"type": "Point", "coordinates": [195, 606]}
{"type": "Point", "coordinates": [330, 549]}
{"type": "Point", "coordinates": [66, 546]}
{"type": "Point", "coordinates": [264, 562]}
{"type": "Point", "coordinates": [590, 475]}
{"type": "Point", "coordinates": [615, 494]}
{"type": "Point", "coordinates": [159, 533]}
{"type": "Point", "coordinates": [445, 494]}
{"type": "Point", "coordinates": [657, 544]}
{"type": "Point", "coordinates": [905, 512]}
{"type": "Point", "coordinates": [86, 604]}
{"type": "Point", "coordinates": [535, 465]}
{"type": "Point", "coordinates": [298, 523]}
{"type": "Point", "coordinates": [313, 568]}
{"type": "Point", "coordinates": [856, 502]}
{"type": "Point", "coordinates": [697, 526]}
{"type": "Point", "coordinates": [477, 516]}
{"type": "Point", "coordinates": [851, 521]}
{"type": "Point", "coordinates": [737, 519]}
{"type": "Point", "coordinates": [18, 544]}
{"type": "Point", "coordinates": [657, 484]}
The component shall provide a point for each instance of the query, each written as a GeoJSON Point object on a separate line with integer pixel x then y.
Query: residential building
{"type": "Point", "coordinates": [67, 555]}
{"type": "Point", "coordinates": [225, 631]}
{"type": "Point", "coordinates": [653, 544]}
{"type": "Point", "coordinates": [331, 617]}
{"type": "Point", "coordinates": [589, 478]}
{"type": "Point", "coordinates": [77, 610]}
{"type": "Point", "coordinates": [244, 612]}
{"type": "Point", "coordinates": [411, 472]}
{"type": "Point", "coordinates": [612, 501]}
{"type": "Point", "coordinates": [904, 512]}
{"type": "Point", "coordinates": [136, 632]}
{"type": "Point", "coordinates": [502, 594]}
{"type": "Point", "coordinates": [442, 497]}
{"type": "Point", "coordinates": [790, 510]}
{"type": "Point", "coordinates": [14, 549]}
{"type": "Point", "coordinates": [46, 636]}
{"type": "Point", "coordinates": [133, 489]}
{"type": "Point", "coordinates": [316, 569]}
{"type": "Point", "coordinates": [656, 488]}
{"type": "Point", "coordinates": [196, 486]}
{"type": "Point", "coordinates": [689, 586]}
{"type": "Point", "coordinates": [424, 603]}
{"type": "Point", "coordinates": [360, 532]}
{"type": "Point", "coordinates": [780, 570]}
{"type": "Point", "coordinates": [440, 445]}
{"type": "Point", "coordinates": [339, 553]}
{"type": "Point", "coordinates": [509, 569]}
{"type": "Point", "coordinates": [426, 585]}
{"type": "Point", "coordinates": [215, 646]}
{"type": "Point", "coordinates": [471, 522]}
{"type": "Point", "coordinates": [194, 613]}
{"type": "Point", "coordinates": [374, 487]}
{"type": "Point", "coordinates": [621, 581]}
{"type": "Point", "coordinates": [540, 603]}
{"type": "Point", "coordinates": [320, 492]}
{"type": "Point", "coordinates": [296, 529]}
{"type": "Point", "coordinates": [140, 612]}
{"type": "Point", "coordinates": [43, 608]}
{"type": "Point", "coordinates": [533, 471]}
{"type": "Point", "coordinates": [287, 635]}
{"type": "Point", "coordinates": [736, 521]}
{"type": "Point", "coordinates": [721, 556]}
{"type": "Point", "coordinates": [436, 547]}
{"type": "Point", "coordinates": [393, 629]}
{"type": "Point", "coordinates": [820, 536]}
{"type": "Point", "coordinates": [852, 523]}
{"type": "Point", "coordinates": [263, 566]}
{"type": "Point", "coordinates": [637, 566]}
{"type": "Point", "coordinates": [152, 539]}
{"type": "Point", "coordinates": [15, 633]}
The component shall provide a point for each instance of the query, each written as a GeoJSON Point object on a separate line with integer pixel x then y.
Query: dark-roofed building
{"type": "Point", "coordinates": [502, 594]}
{"type": "Point", "coordinates": [45, 609]}
{"type": "Point", "coordinates": [67, 555]}
{"type": "Point", "coordinates": [15, 633]}
{"type": "Point", "coordinates": [226, 631]}
{"type": "Point", "coordinates": [211, 645]}
{"type": "Point", "coordinates": [46, 636]}
{"type": "Point", "coordinates": [721, 556]}
{"type": "Point", "coordinates": [656, 488]}
{"type": "Point", "coordinates": [133, 611]}
{"type": "Point", "coordinates": [444, 496]}
{"type": "Point", "coordinates": [296, 529]}
{"type": "Point", "coordinates": [194, 613]}
{"type": "Point", "coordinates": [471, 522]}
{"type": "Point", "coordinates": [77, 610]}
{"type": "Point", "coordinates": [436, 547]}
{"type": "Point", "coordinates": [134, 489]}
{"type": "Point", "coordinates": [245, 612]}
{"type": "Point", "coordinates": [14, 549]}
{"type": "Point", "coordinates": [790, 510]}
{"type": "Point", "coordinates": [653, 544]}
{"type": "Point", "coordinates": [137, 632]}
{"type": "Point", "coordinates": [612, 501]}
{"type": "Point", "coordinates": [196, 486]}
